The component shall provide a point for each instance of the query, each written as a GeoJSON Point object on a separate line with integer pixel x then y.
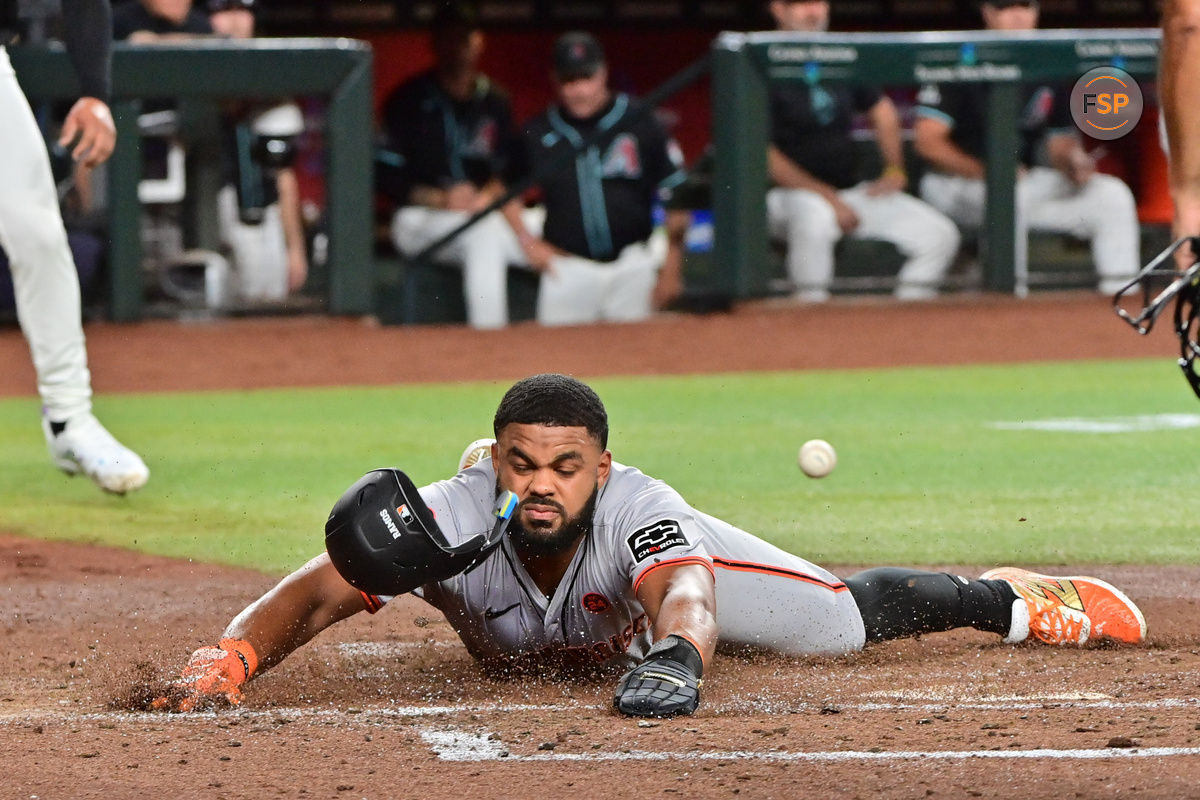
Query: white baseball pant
{"type": "Point", "coordinates": [768, 597]}
{"type": "Point", "coordinates": [43, 271]}
{"type": "Point", "coordinates": [484, 252]}
{"type": "Point", "coordinates": [260, 258]}
{"type": "Point", "coordinates": [1102, 210]}
{"type": "Point", "coordinates": [807, 223]}
{"type": "Point", "coordinates": [579, 291]}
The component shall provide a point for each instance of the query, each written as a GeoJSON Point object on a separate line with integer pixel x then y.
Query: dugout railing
{"type": "Point", "coordinates": [745, 64]}
{"type": "Point", "coordinates": [338, 69]}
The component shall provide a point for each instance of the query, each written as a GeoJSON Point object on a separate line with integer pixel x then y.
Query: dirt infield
{"type": "Point", "coordinates": [392, 706]}
{"type": "Point", "coordinates": [250, 353]}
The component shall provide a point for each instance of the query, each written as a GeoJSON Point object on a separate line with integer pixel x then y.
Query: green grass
{"type": "Point", "coordinates": [248, 477]}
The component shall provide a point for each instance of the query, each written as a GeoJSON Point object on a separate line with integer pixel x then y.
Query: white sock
{"type": "Point", "coordinates": [1018, 631]}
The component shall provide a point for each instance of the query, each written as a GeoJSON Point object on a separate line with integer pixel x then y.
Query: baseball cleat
{"type": "Point", "coordinates": [476, 451]}
{"type": "Point", "coordinates": [84, 445]}
{"type": "Point", "coordinates": [1071, 610]}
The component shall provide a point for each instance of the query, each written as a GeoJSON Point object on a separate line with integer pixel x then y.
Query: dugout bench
{"type": "Point", "coordinates": [745, 63]}
{"type": "Point", "coordinates": [431, 293]}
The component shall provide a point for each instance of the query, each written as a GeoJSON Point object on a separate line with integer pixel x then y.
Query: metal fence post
{"type": "Point", "coordinates": [739, 119]}
{"type": "Point", "coordinates": [125, 211]}
{"type": "Point", "coordinates": [351, 256]}
{"type": "Point", "coordinates": [1001, 250]}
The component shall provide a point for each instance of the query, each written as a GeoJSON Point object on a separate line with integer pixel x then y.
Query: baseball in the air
{"type": "Point", "coordinates": [817, 458]}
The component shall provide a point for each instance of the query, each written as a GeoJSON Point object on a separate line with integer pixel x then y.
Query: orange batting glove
{"type": "Point", "coordinates": [211, 674]}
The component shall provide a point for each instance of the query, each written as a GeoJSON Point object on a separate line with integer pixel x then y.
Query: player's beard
{"type": "Point", "coordinates": [544, 542]}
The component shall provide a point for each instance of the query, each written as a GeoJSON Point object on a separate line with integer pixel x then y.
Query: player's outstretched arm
{"type": "Point", "coordinates": [298, 608]}
{"type": "Point", "coordinates": [681, 604]}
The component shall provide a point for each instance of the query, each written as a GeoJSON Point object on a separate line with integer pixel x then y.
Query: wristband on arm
{"type": "Point", "coordinates": [245, 655]}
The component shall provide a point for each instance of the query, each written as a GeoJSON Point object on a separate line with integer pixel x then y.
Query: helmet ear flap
{"type": "Point", "coordinates": [384, 540]}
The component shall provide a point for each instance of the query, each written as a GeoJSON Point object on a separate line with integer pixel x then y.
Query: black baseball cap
{"type": "Point", "coordinates": [577, 55]}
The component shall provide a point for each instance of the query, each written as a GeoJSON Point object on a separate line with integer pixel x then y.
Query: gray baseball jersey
{"type": "Point", "coordinates": [766, 597]}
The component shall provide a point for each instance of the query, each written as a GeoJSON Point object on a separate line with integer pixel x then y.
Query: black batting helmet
{"type": "Point", "coordinates": [383, 539]}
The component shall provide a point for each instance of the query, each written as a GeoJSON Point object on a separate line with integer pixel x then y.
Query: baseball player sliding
{"type": "Point", "coordinates": [550, 552]}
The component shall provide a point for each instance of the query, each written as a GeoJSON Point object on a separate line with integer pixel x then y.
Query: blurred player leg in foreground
{"type": "Point", "coordinates": [45, 281]}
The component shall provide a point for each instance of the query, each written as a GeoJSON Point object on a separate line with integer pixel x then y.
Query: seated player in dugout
{"type": "Point", "coordinates": [544, 551]}
{"type": "Point", "coordinates": [448, 138]}
{"type": "Point", "coordinates": [602, 163]}
{"type": "Point", "coordinates": [258, 208]}
{"type": "Point", "coordinates": [1058, 187]}
{"type": "Point", "coordinates": [817, 196]}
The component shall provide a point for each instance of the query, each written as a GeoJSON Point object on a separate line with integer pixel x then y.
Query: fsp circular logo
{"type": "Point", "coordinates": [1106, 103]}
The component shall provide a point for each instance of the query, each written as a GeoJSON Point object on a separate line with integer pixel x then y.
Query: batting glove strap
{"type": "Point", "coordinates": [232, 661]}
{"type": "Point", "coordinates": [661, 686]}
{"type": "Point", "coordinates": [676, 648]}
{"type": "Point", "coordinates": [245, 655]}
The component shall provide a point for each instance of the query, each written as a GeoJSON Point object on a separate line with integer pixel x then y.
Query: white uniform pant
{"type": "Point", "coordinates": [43, 271]}
{"type": "Point", "coordinates": [579, 291]}
{"type": "Point", "coordinates": [807, 223]}
{"type": "Point", "coordinates": [1102, 211]}
{"type": "Point", "coordinates": [770, 598]}
{"type": "Point", "coordinates": [484, 252]}
{"type": "Point", "coordinates": [259, 252]}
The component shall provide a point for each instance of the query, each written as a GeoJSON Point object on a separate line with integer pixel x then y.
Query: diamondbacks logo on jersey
{"type": "Point", "coordinates": [623, 160]}
{"type": "Point", "coordinates": [662, 535]}
{"type": "Point", "coordinates": [1038, 109]}
{"type": "Point", "coordinates": [483, 139]}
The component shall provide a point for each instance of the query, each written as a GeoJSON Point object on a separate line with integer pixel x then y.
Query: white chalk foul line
{"type": "Point", "coordinates": [463, 746]}
{"type": "Point", "coordinates": [1169, 702]}
{"type": "Point", "coordinates": [369, 715]}
{"type": "Point", "coordinates": [1023, 703]}
{"type": "Point", "coordinates": [366, 715]}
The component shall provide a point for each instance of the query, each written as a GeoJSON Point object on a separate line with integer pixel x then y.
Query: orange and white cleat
{"type": "Point", "coordinates": [1071, 610]}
